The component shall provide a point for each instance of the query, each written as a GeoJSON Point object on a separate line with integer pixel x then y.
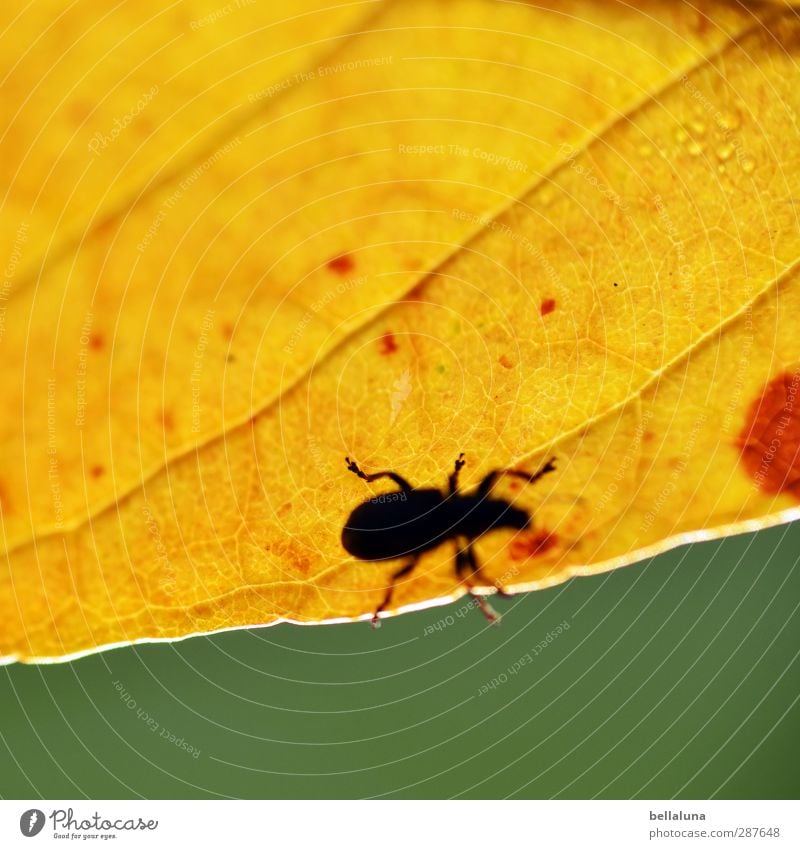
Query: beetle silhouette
{"type": "Point", "coordinates": [408, 522]}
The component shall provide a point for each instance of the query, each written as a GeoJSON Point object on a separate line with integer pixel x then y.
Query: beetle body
{"type": "Point", "coordinates": [421, 520]}
{"type": "Point", "coordinates": [410, 521]}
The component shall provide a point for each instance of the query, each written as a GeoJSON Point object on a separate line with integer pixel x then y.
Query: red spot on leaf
{"type": "Point", "coordinates": [770, 439]}
{"type": "Point", "coordinates": [388, 344]}
{"type": "Point", "coordinates": [415, 294]}
{"type": "Point", "coordinates": [167, 420]}
{"type": "Point", "coordinates": [342, 264]}
{"type": "Point", "coordinates": [97, 471]}
{"type": "Point", "coordinates": [96, 342]}
{"type": "Point", "coordinates": [548, 305]}
{"type": "Point", "coordinates": [533, 545]}
{"type": "Point", "coordinates": [505, 362]}
{"type": "Point", "coordinates": [702, 24]}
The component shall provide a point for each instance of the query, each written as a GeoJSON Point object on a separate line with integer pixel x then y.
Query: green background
{"type": "Point", "coordinates": [678, 677]}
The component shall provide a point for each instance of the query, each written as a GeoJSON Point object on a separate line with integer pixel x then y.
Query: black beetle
{"type": "Point", "coordinates": [410, 521]}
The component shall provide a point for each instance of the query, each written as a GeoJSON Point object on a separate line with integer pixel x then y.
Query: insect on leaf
{"type": "Point", "coordinates": [395, 234]}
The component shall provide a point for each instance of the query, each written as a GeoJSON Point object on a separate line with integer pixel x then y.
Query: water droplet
{"type": "Point", "coordinates": [697, 127]}
{"type": "Point", "coordinates": [694, 148]}
{"type": "Point", "coordinates": [645, 150]}
{"type": "Point", "coordinates": [724, 152]}
{"type": "Point", "coordinates": [729, 120]}
{"type": "Point", "coordinates": [748, 164]}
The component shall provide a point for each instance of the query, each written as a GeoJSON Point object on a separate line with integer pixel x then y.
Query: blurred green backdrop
{"type": "Point", "coordinates": [678, 677]}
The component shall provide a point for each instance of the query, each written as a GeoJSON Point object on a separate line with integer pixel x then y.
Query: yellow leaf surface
{"type": "Point", "coordinates": [514, 231]}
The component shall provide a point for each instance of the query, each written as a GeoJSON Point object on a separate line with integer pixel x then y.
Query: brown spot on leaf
{"type": "Point", "coordinates": [303, 565]}
{"type": "Point", "coordinates": [96, 342]}
{"type": "Point", "coordinates": [770, 438]}
{"type": "Point", "coordinates": [415, 294]}
{"type": "Point", "coordinates": [97, 471]}
{"type": "Point", "coordinates": [167, 420]}
{"type": "Point", "coordinates": [702, 24]}
{"type": "Point", "coordinates": [342, 264]}
{"type": "Point", "coordinates": [548, 305]}
{"type": "Point", "coordinates": [388, 344]}
{"type": "Point", "coordinates": [526, 546]}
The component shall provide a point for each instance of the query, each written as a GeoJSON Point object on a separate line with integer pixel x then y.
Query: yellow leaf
{"type": "Point", "coordinates": [505, 230]}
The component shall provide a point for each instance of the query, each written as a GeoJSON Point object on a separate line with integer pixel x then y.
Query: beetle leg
{"type": "Point", "coordinates": [476, 570]}
{"type": "Point", "coordinates": [453, 479]}
{"type": "Point", "coordinates": [394, 579]}
{"type": "Point", "coordinates": [467, 567]}
{"type": "Point", "coordinates": [485, 486]}
{"type": "Point", "coordinates": [400, 481]}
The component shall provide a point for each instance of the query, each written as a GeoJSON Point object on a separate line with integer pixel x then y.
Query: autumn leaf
{"type": "Point", "coordinates": [401, 232]}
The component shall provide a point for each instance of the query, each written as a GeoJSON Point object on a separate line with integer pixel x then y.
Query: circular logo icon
{"type": "Point", "coordinates": [31, 822]}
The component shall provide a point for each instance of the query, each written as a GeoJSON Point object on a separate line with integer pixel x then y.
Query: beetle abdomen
{"type": "Point", "coordinates": [398, 524]}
